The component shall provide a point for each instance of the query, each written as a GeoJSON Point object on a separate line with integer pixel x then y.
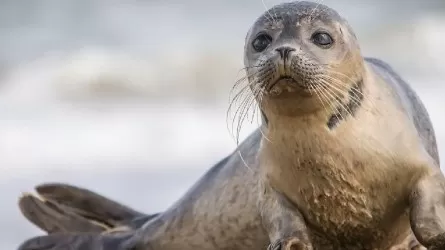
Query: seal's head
{"type": "Point", "coordinates": [302, 57]}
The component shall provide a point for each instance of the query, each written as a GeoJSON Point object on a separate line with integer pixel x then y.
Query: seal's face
{"type": "Point", "coordinates": [304, 53]}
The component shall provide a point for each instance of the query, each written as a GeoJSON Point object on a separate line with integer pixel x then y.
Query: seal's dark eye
{"type": "Point", "coordinates": [322, 39]}
{"type": "Point", "coordinates": [261, 42]}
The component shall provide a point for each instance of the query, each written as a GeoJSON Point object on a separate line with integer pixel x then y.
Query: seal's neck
{"type": "Point", "coordinates": [349, 107]}
{"type": "Point", "coordinates": [329, 116]}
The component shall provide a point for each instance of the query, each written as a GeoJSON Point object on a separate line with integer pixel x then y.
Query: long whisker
{"type": "Point", "coordinates": [240, 113]}
{"type": "Point", "coordinates": [341, 85]}
{"type": "Point", "coordinates": [240, 81]}
{"type": "Point", "coordinates": [318, 96]}
{"type": "Point", "coordinates": [337, 85]}
{"type": "Point", "coordinates": [256, 91]}
{"type": "Point", "coordinates": [313, 11]}
{"type": "Point", "coordinates": [243, 110]}
{"type": "Point", "coordinates": [242, 117]}
{"type": "Point", "coordinates": [245, 92]}
{"type": "Point", "coordinates": [237, 138]}
{"type": "Point", "coordinates": [322, 90]}
{"type": "Point", "coordinates": [267, 9]}
{"type": "Point", "coordinates": [244, 162]}
{"type": "Point", "coordinates": [238, 96]}
{"type": "Point", "coordinates": [246, 101]}
{"type": "Point", "coordinates": [325, 85]}
{"type": "Point", "coordinates": [350, 80]}
{"type": "Point", "coordinates": [258, 103]}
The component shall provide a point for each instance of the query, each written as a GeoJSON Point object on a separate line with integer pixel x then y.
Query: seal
{"type": "Point", "coordinates": [65, 208]}
{"type": "Point", "coordinates": [346, 157]}
{"type": "Point", "coordinates": [351, 161]}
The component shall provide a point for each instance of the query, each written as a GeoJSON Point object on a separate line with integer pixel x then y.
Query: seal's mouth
{"type": "Point", "coordinates": [283, 80]}
{"type": "Point", "coordinates": [288, 84]}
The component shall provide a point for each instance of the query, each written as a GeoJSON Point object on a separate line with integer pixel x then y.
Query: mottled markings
{"type": "Point", "coordinates": [355, 98]}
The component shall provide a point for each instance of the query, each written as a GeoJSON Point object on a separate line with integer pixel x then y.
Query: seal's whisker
{"type": "Point", "coordinates": [259, 98]}
{"type": "Point", "coordinates": [267, 9]}
{"type": "Point", "coordinates": [238, 96]}
{"type": "Point", "coordinates": [240, 92]}
{"type": "Point", "coordinates": [259, 103]}
{"type": "Point", "coordinates": [243, 109]}
{"type": "Point", "coordinates": [351, 81]}
{"type": "Point", "coordinates": [340, 83]}
{"type": "Point", "coordinates": [338, 111]}
{"type": "Point", "coordinates": [254, 107]}
{"type": "Point", "coordinates": [274, 12]}
{"type": "Point", "coordinates": [251, 102]}
{"type": "Point", "coordinates": [336, 85]}
{"type": "Point", "coordinates": [240, 81]}
{"type": "Point", "coordinates": [244, 113]}
{"type": "Point", "coordinates": [240, 108]}
{"type": "Point", "coordinates": [264, 135]}
{"type": "Point", "coordinates": [336, 98]}
{"type": "Point", "coordinates": [242, 96]}
{"type": "Point", "coordinates": [310, 88]}
{"type": "Point", "coordinates": [322, 93]}
{"type": "Point", "coordinates": [244, 162]}
{"type": "Point", "coordinates": [358, 94]}
{"type": "Point", "coordinates": [315, 9]}
{"type": "Point", "coordinates": [245, 69]}
{"type": "Point", "coordinates": [247, 100]}
{"type": "Point", "coordinates": [257, 92]}
{"type": "Point", "coordinates": [318, 96]}
{"type": "Point", "coordinates": [316, 90]}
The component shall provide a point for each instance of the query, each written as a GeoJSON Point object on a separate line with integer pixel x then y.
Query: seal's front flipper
{"type": "Point", "coordinates": [85, 241]}
{"type": "Point", "coordinates": [283, 222]}
{"type": "Point", "coordinates": [88, 203]}
{"type": "Point", "coordinates": [52, 217]}
{"type": "Point", "coordinates": [427, 214]}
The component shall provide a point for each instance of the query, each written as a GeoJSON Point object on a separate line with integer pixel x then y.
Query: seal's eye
{"type": "Point", "coordinates": [261, 42]}
{"type": "Point", "coordinates": [322, 39]}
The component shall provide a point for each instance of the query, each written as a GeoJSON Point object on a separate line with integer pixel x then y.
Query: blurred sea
{"type": "Point", "coordinates": [129, 98]}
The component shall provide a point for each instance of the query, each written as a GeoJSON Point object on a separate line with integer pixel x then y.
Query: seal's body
{"type": "Point", "coordinates": [355, 196]}
{"type": "Point", "coordinates": [346, 157]}
{"type": "Point", "coordinates": [218, 212]}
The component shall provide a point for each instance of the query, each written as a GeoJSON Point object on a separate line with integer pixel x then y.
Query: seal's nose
{"type": "Point", "coordinates": [284, 51]}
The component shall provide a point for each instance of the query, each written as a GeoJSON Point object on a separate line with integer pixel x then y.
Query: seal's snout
{"type": "Point", "coordinates": [284, 52]}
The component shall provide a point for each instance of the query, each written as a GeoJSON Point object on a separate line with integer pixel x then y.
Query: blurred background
{"type": "Point", "coordinates": [129, 99]}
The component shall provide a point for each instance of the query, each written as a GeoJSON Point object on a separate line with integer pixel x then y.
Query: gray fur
{"type": "Point", "coordinates": [412, 104]}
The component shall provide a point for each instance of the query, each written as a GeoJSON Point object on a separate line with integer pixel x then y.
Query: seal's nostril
{"type": "Point", "coordinates": [284, 51]}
